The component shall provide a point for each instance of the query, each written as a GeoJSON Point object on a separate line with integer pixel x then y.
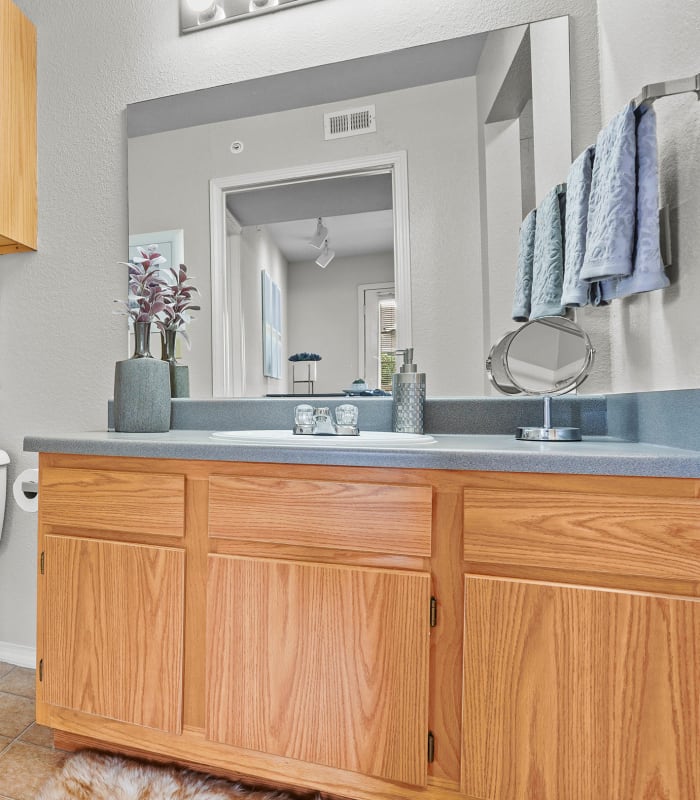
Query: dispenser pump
{"type": "Point", "coordinates": [408, 393]}
{"type": "Point", "coordinates": [408, 365]}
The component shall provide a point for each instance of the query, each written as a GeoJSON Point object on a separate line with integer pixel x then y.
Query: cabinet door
{"type": "Point", "coordinates": [579, 693]}
{"type": "Point", "coordinates": [18, 200]}
{"type": "Point", "coordinates": [319, 663]}
{"type": "Point", "coordinates": [113, 630]}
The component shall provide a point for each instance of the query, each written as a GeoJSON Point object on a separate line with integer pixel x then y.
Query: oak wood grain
{"type": "Point", "coordinates": [113, 630]}
{"type": "Point", "coordinates": [327, 665]}
{"type": "Point", "coordinates": [619, 534]}
{"type": "Point", "coordinates": [18, 154]}
{"type": "Point", "coordinates": [254, 767]}
{"type": "Point", "coordinates": [446, 637]}
{"type": "Point", "coordinates": [197, 496]}
{"type": "Point", "coordinates": [374, 517]}
{"type": "Point", "coordinates": [579, 693]}
{"type": "Point", "coordinates": [112, 500]}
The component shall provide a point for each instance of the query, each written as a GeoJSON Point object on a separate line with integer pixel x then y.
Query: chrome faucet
{"type": "Point", "coordinates": [323, 422]}
{"type": "Point", "coordinates": [319, 422]}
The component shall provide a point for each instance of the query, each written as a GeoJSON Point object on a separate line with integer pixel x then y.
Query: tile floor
{"type": "Point", "coordinates": [27, 754]}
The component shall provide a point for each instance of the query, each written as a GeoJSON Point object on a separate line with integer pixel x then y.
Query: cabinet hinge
{"type": "Point", "coordinates": [433, 612]}
{"type": "Point", "coordinates": [41, 563]}
{"type": "Point", "coordinates": [41, 670]}
{"type": "Point", "coordinates": [431, 747]}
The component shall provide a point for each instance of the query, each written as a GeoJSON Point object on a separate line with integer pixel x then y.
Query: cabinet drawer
{"type": "Point", "coordinates": [370, 517]}
{"type": "Point", "coordinates": [609, 533]}
{"type": "Point", "coordinates": [107, 500]}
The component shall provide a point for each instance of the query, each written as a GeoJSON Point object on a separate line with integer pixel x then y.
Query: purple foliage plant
{"type": "Point", "coordinates": [176, 315]}
{"type": "Point", "coordinates": [149, 293]}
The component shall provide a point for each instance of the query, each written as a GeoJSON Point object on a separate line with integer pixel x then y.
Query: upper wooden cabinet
{"type": "Point", "coordinates": [18, 200]}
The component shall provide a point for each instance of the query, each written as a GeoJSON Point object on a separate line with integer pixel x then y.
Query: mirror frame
{"type": "Point", "coordinates": [498, 359]}
{"type": "Point", "coordinates": [226, 317]}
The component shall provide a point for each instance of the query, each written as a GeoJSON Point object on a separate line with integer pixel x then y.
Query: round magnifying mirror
{"type": "Point", "coordinates": [545, 357]}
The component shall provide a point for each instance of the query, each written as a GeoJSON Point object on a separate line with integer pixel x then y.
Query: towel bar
{"type": "Point", "coordinates": [654, 91]}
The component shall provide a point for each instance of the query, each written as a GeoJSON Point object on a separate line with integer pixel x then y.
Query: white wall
{"type": "Point", "coordinates": [58, 338]}
{"type": "Point", "coordinates": [654, 337]}
{"type": "Point", "coordinates": [258, 252]}
{"type": "Point", "coordinates": [323, 315]}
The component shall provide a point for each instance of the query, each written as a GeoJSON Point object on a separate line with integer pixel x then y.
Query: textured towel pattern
{"type": "Point", "coordinates": [576, 292]}
{"type": "Point", "coordinates": [648, 271]}
{"type": "Point", "coordinates": [523, 279]}
{"type": "Point", "coordinates": [611, 217]}
{"type": "Point", "coordinates": [548, 263]}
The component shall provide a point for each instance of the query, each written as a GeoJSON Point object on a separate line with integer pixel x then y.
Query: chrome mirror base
{"type": "Point", "coordinates": [549, 434]}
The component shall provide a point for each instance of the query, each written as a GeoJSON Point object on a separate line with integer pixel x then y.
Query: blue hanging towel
{"type": "Point", "coordinates": [613, 201]}
{"type": "Point", "coordinates": [548, 263]}
{"type": "Point", "coordinates": [576, 292]}
{"type": "Point", "coordinates": [523, 278]}
{"type": "Point", "coordinates": [648, 268]}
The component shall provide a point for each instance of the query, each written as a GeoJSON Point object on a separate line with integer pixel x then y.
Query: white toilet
{"type": "Point", "coordinates": [4, 461]}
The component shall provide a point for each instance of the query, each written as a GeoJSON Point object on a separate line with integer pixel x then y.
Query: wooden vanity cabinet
{"type": "Point", "coordinates": [111, 594]}
{"type": "Point", "coordinates": [18, 142]}
{"type": "Point", "coordinates": [375, 633]}
{"type": "Point", "coordinates": [581, 638]}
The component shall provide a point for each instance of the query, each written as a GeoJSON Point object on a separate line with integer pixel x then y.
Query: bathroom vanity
{"type": "Point", "coordinates": [373, 631]}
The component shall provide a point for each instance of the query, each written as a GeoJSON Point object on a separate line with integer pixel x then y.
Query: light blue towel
{"type": "Point", "coordinates": [577, 293]}
{"type": "Point", "coordinates": [548, 263]}
{"type": "Point", "coordinates": [611, 214]}
{"type": "Point", "coordinates": [648, 269]}
{"type": "Point", "coordinates": [523, 278]}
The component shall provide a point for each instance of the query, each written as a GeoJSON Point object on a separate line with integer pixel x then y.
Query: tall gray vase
{"type": "Point", "coordinates": [179, 373]}
{"type": "Point", "coordinates": [141, 389]}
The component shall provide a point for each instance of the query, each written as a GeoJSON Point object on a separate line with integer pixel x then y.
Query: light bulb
{"type": "Point", "coordinates": [200, 5]}
{"type": "Point", "coordinates": [327, 255]}
{"type": "Point", "coordinates": [257, 5]}
{"type": "Point", "coordinates": [319, 238]}
{"type": "Point", "coordinates": [206, 10]}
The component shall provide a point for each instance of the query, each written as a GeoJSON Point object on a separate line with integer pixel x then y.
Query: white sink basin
{"type": "Point", "coordinates": [289, 439]}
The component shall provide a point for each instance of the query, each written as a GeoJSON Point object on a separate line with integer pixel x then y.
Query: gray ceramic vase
{"type": "Point", "coordinates": [179, 373]}
{"type": "Point", "coordinates": [141, 389]}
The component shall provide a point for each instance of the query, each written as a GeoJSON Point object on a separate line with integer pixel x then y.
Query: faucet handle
{"type": "Point", "coordinates": [347, 414]}
{"type": "Point", "coordinates": [303, 414]}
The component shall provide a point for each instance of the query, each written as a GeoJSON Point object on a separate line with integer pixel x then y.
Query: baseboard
{"type": "Point", "coordinates": [18, 654]}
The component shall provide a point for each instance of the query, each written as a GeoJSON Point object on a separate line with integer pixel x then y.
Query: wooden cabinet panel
{"type": "Point", "coordinates": [108, 500]}
{"type": "Point", "coordinates": [579, 693]}
{"type": "Point", "coordinates": [18, 194]}
{"type": "Point", "coordinates": [113, 630]}
{"type": "Point", "coordinates": [372, 517]}
{"type": "Point", "coordinates": [618, 534]}
{"type": "Point", "coordinates": [327, 665]}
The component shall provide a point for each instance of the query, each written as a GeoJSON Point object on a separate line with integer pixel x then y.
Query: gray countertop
{"type": "Point", "coordinates": [600, 455]}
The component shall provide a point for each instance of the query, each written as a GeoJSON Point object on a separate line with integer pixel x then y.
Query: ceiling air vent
{"type": "Point", "coordinates": [350, 122]}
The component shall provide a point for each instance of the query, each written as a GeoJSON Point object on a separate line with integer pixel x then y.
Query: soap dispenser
{"type": "Point", "coordinates": [408, 392]}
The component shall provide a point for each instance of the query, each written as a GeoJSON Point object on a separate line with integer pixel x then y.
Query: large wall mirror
{"type": "Point", "coordinates": [420, 164]}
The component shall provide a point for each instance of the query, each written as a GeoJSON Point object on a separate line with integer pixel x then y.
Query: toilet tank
{"type": "Point", "coordinates": [4, 461]}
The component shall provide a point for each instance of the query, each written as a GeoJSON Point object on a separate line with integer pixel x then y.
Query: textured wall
{"type": "Point", "coordinates": [58, 337]}
{"type": "Point", "coordinates": [654, 336]}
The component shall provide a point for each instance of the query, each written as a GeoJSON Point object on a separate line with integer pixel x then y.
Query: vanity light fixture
{"type": "Point", "coordinates": [319, 238]}
{"type": "Point", "coordinates": [196, 15]}
{"type": "Point", "coordinates": [207, 11]}
{"type": "Point", "coordinates": [327, 255]}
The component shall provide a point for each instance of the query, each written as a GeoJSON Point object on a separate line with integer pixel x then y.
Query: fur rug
{"type": "Point", "coordinates": [96, 776]}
